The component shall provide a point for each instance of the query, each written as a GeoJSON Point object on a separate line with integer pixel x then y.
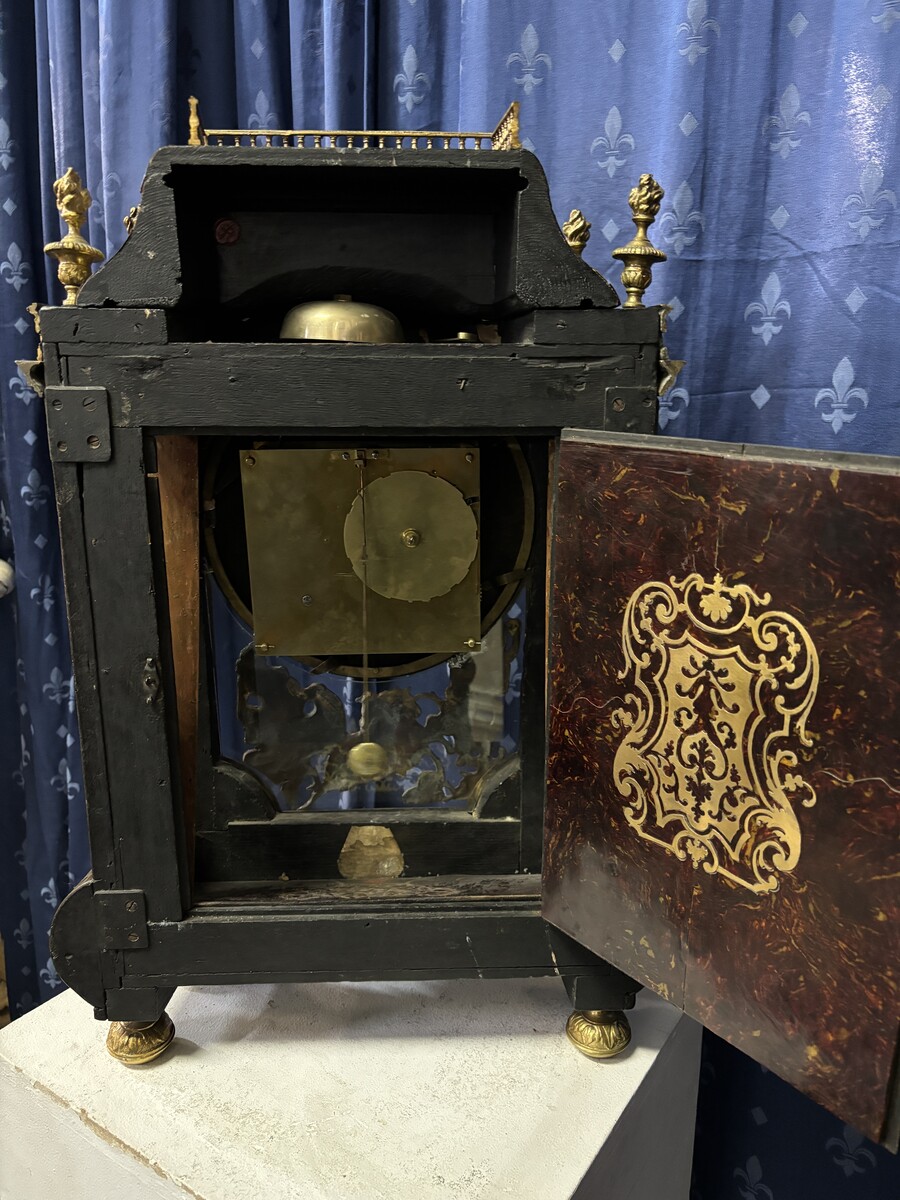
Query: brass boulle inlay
{"type": "Point", "coordinates": [722, 687]}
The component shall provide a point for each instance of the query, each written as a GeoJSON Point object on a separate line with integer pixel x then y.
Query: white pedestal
{"type": "Point", "coordinates": [464, 1090]}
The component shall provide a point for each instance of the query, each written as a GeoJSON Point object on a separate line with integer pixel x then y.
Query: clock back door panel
{"type": "Point", "coordinates": [723, 777]}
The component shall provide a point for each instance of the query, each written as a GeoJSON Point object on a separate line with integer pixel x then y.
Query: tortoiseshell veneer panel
{"type": "Point", "coordinates": [723, 779]}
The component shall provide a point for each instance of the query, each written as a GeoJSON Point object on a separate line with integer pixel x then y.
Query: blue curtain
{"type": "Point", "coordinates": [774, 128]}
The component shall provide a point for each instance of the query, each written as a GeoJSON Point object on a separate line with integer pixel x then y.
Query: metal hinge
{"type": "Point", "coordinates": [122, 920]}
{"type": "Point", "coordinates": [78, 424]}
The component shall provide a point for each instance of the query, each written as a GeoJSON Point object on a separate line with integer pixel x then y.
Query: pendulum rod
{"type": "Point", "coordinates": [364, 701]}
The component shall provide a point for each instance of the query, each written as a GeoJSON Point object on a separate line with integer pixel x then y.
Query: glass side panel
{"type": "Point", "coordinates": [445, 737]}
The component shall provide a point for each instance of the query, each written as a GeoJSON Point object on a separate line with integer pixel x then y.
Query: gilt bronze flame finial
{"type": "Point", "coordinates": [577, 230]}
{"type": "Point", "coordinates": [74, 254]}
{"type": "Point", "coordinates": [640, 254]}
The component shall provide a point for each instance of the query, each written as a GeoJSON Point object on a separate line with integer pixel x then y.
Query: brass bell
{"type": "Point", "coordinates": [340, 320]}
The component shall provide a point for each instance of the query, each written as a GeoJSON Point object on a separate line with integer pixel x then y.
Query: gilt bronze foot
{"type": "Point", "coordinates": [599, 1032]}
{"type": "Point", "coordinates": [137, 1042]}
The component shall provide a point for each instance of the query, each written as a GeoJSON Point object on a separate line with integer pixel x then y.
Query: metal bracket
{"type": "Point", "coordinates": [630, 409]}
{"type": "Point", "coordinates": [78, 424]}
{"type": "Point", "coordinates": [122, 920]}
{"type": "Point", "coordinates": [150, 681]}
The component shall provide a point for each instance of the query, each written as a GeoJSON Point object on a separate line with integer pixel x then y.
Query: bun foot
{"type": "Point", "coordinates": [137, 1042]}
{"type": "Point", "coordinates": [599, 1033]}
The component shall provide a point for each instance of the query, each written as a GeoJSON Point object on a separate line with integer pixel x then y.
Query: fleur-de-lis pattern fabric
{"type": "Point", "coordinates": [774, 129]}
{"type": "Point", "coordinates": [758, 1139]}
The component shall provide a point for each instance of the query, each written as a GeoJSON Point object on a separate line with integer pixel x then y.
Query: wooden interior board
{"type": "Point", "coordinates": [177, 477]}
{"type": "Point", "coordinates": [723, 780]}
{"type": "Point", "coordinates": [446, 889]}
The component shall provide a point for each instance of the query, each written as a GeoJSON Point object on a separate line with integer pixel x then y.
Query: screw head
{"type": "Point", "coordinates": [133, 937]}
{"type": "Point", "coordinates": [250, 460]}
{"type": "Point", "coordinates": [618, 404]}
{"type": "Point", "coordinates": [307, 599]}
{"type": "Point", "coordinates": [227, 231]}
{"type": "Point", "coordinates": [411, 537]}
{"type": "Point", "coordinates": [470, 457]}
{"type": "Point", "coordinates": [131, 906]}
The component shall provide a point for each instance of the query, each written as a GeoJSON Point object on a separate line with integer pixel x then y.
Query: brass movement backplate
{"type": "Point", "coordinates": [320, 521]}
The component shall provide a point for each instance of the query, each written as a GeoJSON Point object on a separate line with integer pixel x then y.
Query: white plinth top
{"type": "Point", "coordinates": [458, 1090]}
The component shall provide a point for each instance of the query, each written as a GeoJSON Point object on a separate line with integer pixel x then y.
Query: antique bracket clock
{"type": "Point", "coordinates": [356, 485]}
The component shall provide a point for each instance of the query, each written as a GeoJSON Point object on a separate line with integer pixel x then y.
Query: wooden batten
{"type": "Point", "coordinates": [177, 478]}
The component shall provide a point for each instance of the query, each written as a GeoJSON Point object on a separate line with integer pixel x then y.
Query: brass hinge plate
{"type": "Point", "coordinates": [122, 920]}
{"type": "Point", "coordinates": [630, 409]}
{"type": "Point", "coordinates": [78, 424]}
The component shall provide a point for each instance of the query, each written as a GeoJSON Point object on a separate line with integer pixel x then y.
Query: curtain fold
{"type": "Point", "coordinates": [775, 130]}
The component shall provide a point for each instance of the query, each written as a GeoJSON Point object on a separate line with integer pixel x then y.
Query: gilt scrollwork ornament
{"type": "Point", "coordinates": [74, 254]}
{"type": "Point", "coordinates": [34, 311]}
{"type": "Point", "coordinates": [720, 689]}
{"type": "Point", "coordinates": [668, 368]}
{"type": "Point", "coordinates": [640, 254]}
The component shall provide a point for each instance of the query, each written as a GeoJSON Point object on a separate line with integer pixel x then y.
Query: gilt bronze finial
{"type": "Point", "coordinates": [194, 126]}
{"type": "Point", "coordinates": [577, 230]}
{"type": "Point", "coordinates": [74, 254]}
{"type": "Point", "coordinates": [640, 254]}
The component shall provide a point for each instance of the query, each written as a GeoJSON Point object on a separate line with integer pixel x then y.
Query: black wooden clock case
{"type": "Point", "coordinates": [178, 334]}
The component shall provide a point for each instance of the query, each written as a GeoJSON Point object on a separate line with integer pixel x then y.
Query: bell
{"type": "Point", "coordinates": [340, 320]}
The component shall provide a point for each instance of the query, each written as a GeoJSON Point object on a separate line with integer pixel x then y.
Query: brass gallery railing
{"type": "Point", "coordinates": [504, 137]}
